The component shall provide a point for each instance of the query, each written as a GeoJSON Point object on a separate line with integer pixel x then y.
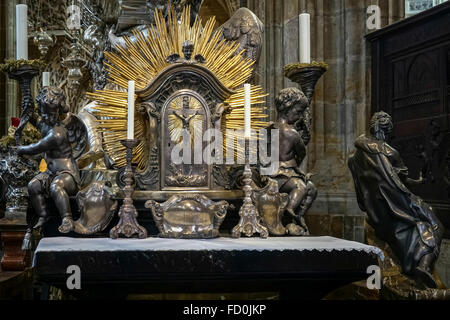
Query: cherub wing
{"type": "Point", "coordinates": [246, 28]}
{"type": "Point", "coordinates": [77, 134]}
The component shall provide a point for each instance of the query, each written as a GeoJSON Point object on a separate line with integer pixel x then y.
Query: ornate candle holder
{"type": "Point", "coordinates": [74, 63]}
{"type": "Point", "coordinates": [23, 71]}
{"type": "Point", "coordinates": [128, 225]}
{"type": "Point", "coordinates": [306, 75]}
{"type": "Point", "coordinates": [43, 41]}
{"type": "Point", "coordinates": [250, 221]}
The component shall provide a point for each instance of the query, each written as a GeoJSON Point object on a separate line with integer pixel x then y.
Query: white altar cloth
{"type": "Point", "coordinates": [63, 244]}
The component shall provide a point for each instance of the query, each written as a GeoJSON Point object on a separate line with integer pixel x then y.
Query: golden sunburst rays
{"type": "Point", "coordinates": [111, 112]}
{"type": "Point", "coordinates": [179, 121]}
{"type": "Point", "coordinates": [145, 57]}
{"type": "Point", "coordinates": [233, 120]}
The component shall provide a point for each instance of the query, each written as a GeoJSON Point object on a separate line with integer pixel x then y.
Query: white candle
{"type": "Point", "coordinates": [46, 79]}
{"type": "Point", "coordinates": [247, 110]}
{"type": "Point", "coordinates": [305, 38]}
{"type": "Point", "coordinates": [21, 32]}
{"type": "Point", "coordinates": [130, 131]}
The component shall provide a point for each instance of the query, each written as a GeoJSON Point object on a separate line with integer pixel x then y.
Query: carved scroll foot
{"type": "Point", "coordinates": [250, 223]}
{"type": "Point", "coordinates": [128, 225]}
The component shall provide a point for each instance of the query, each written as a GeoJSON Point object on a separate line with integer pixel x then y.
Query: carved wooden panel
{"type": "Point", "coordinates": [411, 81]}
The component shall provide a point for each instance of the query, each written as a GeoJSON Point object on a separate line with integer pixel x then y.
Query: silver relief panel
{"type": "Point", "coordinates": [185, 115]}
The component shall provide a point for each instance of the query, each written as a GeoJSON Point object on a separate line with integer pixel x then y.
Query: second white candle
{"type": "Point", "coordinates": [305, 38]}
{"type": "Point", "coordinates": [247, 110]}
{"type": "Point", "coordinates": [21, 32]}
{"type": "Point", "coordinates": [130, 130]}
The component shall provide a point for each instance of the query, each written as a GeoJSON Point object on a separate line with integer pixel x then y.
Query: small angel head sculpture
{"type": "Point", "coordinates": [291, 103]}
{"type": "Point", "coordinates": [52, 104]}
{"type": "Point", "coordinates": [381, 125]}
{"type": "Point", "coordinates": [188, 49]}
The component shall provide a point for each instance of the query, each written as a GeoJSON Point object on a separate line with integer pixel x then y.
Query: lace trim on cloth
{"type": "Point", "coordinates": [320, 244]}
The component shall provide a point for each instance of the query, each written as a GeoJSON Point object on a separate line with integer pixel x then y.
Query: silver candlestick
{"type": "Point", "coordinates": [250, 220]}
{"type": "Point", "coordinates": [128, 225]}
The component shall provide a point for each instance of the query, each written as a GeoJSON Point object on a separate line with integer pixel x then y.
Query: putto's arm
{"type": "Point", "coordinates": [46, 144]}
{"type": "Point", "coordinates": [35, 120]}
{"type": "Point", "coordinates": [299, 148]}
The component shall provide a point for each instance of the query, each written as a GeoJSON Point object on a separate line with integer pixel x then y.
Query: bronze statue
{"type": "Point", "coordinates": [293, 113]}
{"type": "Point", "coordinates": [61, 180]}
{"type": "Point", "coordinates": [399, 217]}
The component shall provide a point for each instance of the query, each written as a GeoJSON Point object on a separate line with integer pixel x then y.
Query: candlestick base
{"type": "Point", "coordinates": [250, 221]}
{"type": "Point", "coordinates": [128, 225]}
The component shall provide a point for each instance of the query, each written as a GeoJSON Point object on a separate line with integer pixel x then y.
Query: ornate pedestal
{"type": "Point", "coordinates": [14, 258]}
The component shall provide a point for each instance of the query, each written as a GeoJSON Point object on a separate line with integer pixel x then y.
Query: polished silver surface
{"type": "Point", "coordinates": [188, 217]}
{"type": "Point", "coordinates": [271, 205]}
{"type": "Point", "coordinates": [96, 207]}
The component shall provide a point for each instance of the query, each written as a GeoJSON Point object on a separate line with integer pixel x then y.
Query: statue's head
{"type": "Point", "coordinates": [291, 103]}
{"type": "Point", "coordinates": [246, 25]}
{"type": "Point", "coordinates": [52, 104]}
{"type": "Point", "coordinates": [381, 125]}
{"type": "Point", "coordinates": [188, 49]}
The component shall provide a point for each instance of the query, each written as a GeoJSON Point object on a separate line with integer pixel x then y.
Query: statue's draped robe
{"type": "Point", "coordinates": [399, 217]}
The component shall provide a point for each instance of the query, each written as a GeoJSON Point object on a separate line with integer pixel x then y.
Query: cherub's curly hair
{"type": "Point", "coordinates": [380, 125]}
{"type": "Point", "coordinates": [54, 98]}
{"type": "Point", "coordinates": [288, 98]}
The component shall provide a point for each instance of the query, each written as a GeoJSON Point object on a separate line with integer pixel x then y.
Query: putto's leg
{"type": "Point", "coordinates": [297, 192]}
{"type": "Point", "coordinates": [60, 189]}
{"type": "Point", "coordinates": [311, 195]}
{"type": "Point", "coordinates": [37, 195]}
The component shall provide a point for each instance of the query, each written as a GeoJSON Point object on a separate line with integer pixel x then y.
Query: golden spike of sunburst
{"type": "Point", "coordinates": [112, 112]}
{"type": "Point", "coordinates": [143, 59]}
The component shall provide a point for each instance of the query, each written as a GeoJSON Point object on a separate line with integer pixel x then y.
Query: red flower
{"type": "Point", "coordinates": [15, 122]}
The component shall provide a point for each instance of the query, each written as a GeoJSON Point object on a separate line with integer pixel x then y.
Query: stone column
{"type": "Point", "coordinates": [341, 106]}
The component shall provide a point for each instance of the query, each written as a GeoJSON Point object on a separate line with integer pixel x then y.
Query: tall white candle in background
{"type": "Point", "coordinates": [305, 38]}
{"type": "Point", "coordinates": [247, 110]}
{"type": "Point", "coordinates": [21, 32]}
{"type": "Point", "coordinates": [46, 79]}
{"type": "Point", "coordinates": [130, 131]}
